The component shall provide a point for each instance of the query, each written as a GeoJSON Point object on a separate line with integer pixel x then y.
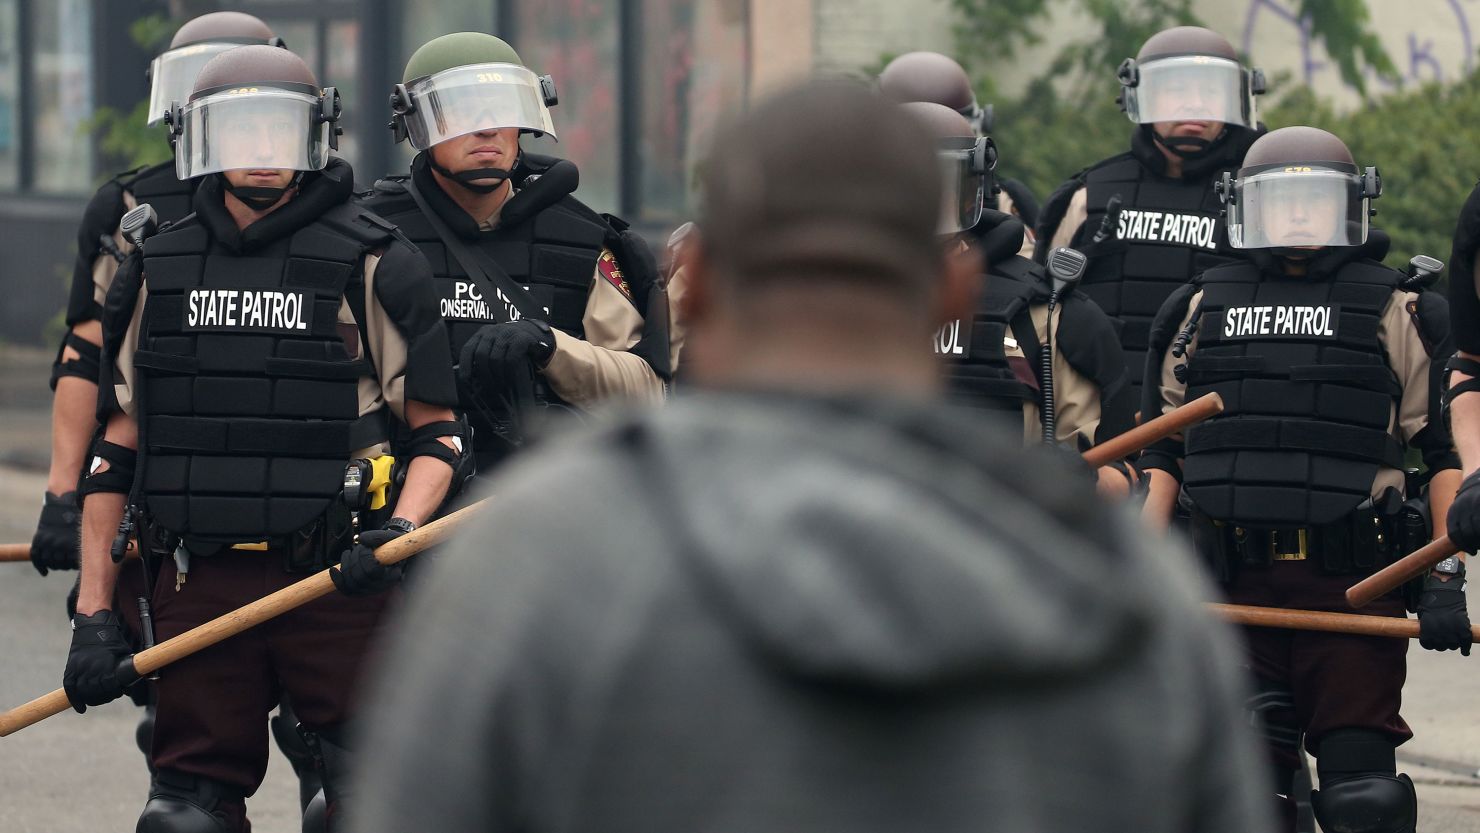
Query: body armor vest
{"type": "Point", "coordinates": [1169, 230]}
{"type": "Point", "coordinates": [157, 186]}
{"type": "Point", "coordinates": [552, 253]}
{"type": "Point", "coordinates": [1307, 391]}
{"type": "Point", "coordinates": [978, 371]}
{"type": "Point", "coordinates": [249, 403]}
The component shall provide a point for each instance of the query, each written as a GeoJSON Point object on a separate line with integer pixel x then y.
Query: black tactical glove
{"type": "Point", "coordinates": [99, 644]}
{"type": "Point", "coordinates": [497, 352]}
{"type": "Point", "coordinates": [359, 574]}
{"type": "Point", "coordinates": [57, 541]}
{"type": "Point", "coordinates": [1443, 622]}
{"type": "Point", "coordinates": [1463, 520]}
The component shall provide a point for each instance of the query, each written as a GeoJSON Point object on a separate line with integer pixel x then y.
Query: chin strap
{"type": "Point", "coordinates": [1187, 147]}
{"type": "Point", "coordinates": [476, 180]}
{"type": "Point", "coordinates": [260, 197]}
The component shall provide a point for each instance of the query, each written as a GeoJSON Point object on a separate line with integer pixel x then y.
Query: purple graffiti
{"type": "Point", "coordinates": [1422, 66]}
{"type": "Point", "coordinates": [1309, 66]}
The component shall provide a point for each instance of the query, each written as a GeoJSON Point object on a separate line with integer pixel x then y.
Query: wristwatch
{"type": "Point", "coordinates": [1451, 566]}
{"type": "Point", "coordinates": [400, 525]}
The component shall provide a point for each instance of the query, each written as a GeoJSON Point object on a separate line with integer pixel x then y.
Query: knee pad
{"type": "Point", "coordinates": [1271, 711]}
{"type": "Point", "coordinates": [1367, 804]}
{"type": "Point", "coordinates": [144, 732]}
{"type": "Point", "coordinates": [180, 803]}
{"type": "Point", "coordinates": [1361, 790]}
{"type": "Point", "coordinates": [333, 762]}
{"type": "Point", "coordinates": [316, 814]}
{"type": "Point", "coordinates": [290, 740]}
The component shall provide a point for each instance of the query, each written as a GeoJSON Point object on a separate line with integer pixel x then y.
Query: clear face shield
{"type": "Point", "coordinates": [1299, 206]}
{"type": "Point", "coordinates": [252, 128]}
{"type": "Point", "coordinates": [1190, 88]}
{"type": "Point", "coordinates": [172, 75]}
{"type": "Point", "coordinates": [468, 99]}
{"type": "Point", "coordinates": [965, 170]}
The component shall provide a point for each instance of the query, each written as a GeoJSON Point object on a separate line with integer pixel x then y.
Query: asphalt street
{"type": "Point", "coordinates": [83, 774]}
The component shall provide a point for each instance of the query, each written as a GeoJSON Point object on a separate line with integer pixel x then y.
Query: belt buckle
{"type": "Point", "coordinates": [1301, 553]}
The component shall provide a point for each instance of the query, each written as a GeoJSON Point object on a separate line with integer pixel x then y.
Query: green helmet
{"type": "Point", "coordinates": [466, 82]}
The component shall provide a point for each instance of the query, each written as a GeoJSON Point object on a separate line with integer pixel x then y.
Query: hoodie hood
{"type": "Point", "coordinates": [893, 545]}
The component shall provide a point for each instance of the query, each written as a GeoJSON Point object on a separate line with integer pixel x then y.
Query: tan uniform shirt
{"type": "Point", "coordinates": [1006, 205]}
{"type": "Point", "coordinates": [1074, 217]}
{"type": "Point", "coordinates": [105, 267]}
{"type": "Point", "coordinates": [1406, 356]}
{"type": "Point", "coordinates": [386, 388]}
{"type": "Point", "coordinates": [1076, 399]}
{"type": "Point", "coordinates": [600, 369]}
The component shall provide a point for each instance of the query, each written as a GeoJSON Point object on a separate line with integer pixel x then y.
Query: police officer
{"type": "Point", "coordinates": [100, 247]}
{"type": "Point", "coordinates": [1194, 107]}
{"type": "Point", "coordinates": [995, 361]}
{"type": "Point", "coordinates": [936, 78]}
{"type": "Point", "coordinates": [1463, 372]}
{"type": "Point", "coordinates": [544, 298]}
{"type": "Point", "coordinates": [1327, 362]}
{"type": "Point", "coordinates": [256, 353]}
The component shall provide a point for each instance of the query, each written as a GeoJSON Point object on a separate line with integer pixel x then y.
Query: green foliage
{"type": "Point", "coordinates": [989, 33]}
{"type": "Point", "coordinates": [124, 137]}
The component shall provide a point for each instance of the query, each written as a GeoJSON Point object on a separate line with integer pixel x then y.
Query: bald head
{"type": "Point", "coordinates": [817, 264]}
{"type": "Point", "coordinates": [826, 179]}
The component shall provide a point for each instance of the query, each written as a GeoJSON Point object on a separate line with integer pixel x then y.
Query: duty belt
{"type": "Point", "coordinates": [1359, 543]}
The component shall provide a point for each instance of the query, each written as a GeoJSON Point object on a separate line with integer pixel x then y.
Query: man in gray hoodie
{"type": "Point", "coordinates": [810, 596]}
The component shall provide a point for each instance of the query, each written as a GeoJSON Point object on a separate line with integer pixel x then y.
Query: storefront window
{"type": "Point", "coordinates": [62, 95]}
{"type": "Point", "coordinates": [10, 68]}
{"type": "Point", "coordinates": [576, 42]}
{"type": "Point", "coordinates": [693, 70]}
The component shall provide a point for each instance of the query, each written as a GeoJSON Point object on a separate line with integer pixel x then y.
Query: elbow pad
{"type": "Point", "coordinates": [87, 365]}
{"type": "Point", "coordinates": [426, 441]}
{"type": "Point", "coordinates": [117, 479]}
{"type": "Point", "coordinates": [1469, 367]}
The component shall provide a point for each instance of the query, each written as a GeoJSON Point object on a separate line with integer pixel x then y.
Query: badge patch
{"type": "Point", "coordinates": [464, 300]}
{"type": "Point", "coordinates": [1167, 227]}
{"type": "Point", "coordinates": [953, 339]}
{"type": "Point", "coordinates": [249, 310]}
{"type": "Point", "coordinates": [1280, 321]}
{"type": "Point", "coordinates": [607, 266]}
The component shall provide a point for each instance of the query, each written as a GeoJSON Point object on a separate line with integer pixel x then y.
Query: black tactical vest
{"type": "Point", "coordinates": [1307, 393]}
{"type": "Point", "coordinates": [157, 186]}
{"type": "Point", "coordinates": [552, 253]}
{"type": "Point", "coordinates": [978, 371]}
{"type": "Point", "coordinates": [1169, 230]}
{"type": "Point", "coordinates": [250, 404]}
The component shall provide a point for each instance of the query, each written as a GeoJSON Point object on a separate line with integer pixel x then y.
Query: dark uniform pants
{"type": "Point", "coordinates": [1338, 680]}
{"type": "Point", "coordinates": [213, 706]}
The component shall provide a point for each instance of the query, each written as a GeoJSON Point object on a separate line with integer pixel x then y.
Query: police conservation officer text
{"type": "Point", "coordinates": [261, 310]}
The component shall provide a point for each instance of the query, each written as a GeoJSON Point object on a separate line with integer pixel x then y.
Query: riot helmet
{"type": "Point", "coordinates": [933, 77]}
{"type": "Point", "coordinates": [469, 82]}
{"type": "Point", "coordinates": [1299, 190]}
{"type": "Point", "coordinates": [1188, 73]}
{"type": "Point", "coordinates": [965, 162]}
{"type": "Point", "coordinates": [255, 108]}
{"type": "Point", "coordinates": [172, 73]}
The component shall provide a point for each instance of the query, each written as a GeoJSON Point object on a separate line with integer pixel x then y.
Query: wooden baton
{"type": "Point", "coordinates": [1320, 620]}
{"type": "Point", "coordinates": [1143, 435]}
{"type": "Point", "coordinates": [22, 552]}
{"type": "Point", "coordinates": [1400, 572]}
{"type": "Point", "coordinates": [224, 627]}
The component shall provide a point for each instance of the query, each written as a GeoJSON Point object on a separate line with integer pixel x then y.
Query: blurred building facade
{"type": "Point", "coordinates": [641, 83]}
